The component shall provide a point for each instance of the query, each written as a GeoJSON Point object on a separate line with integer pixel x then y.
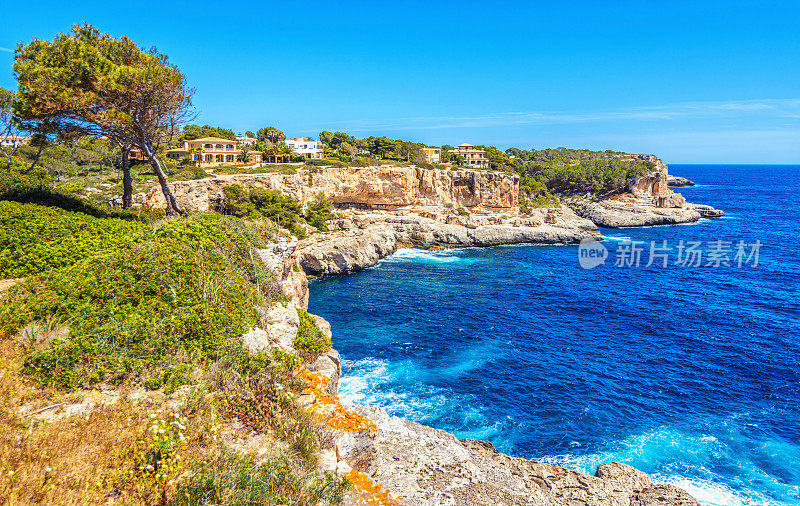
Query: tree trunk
{"type": "Point", "coordinates": [127, 180]}
{"type": "Point", "coordinates": [172, 204]}
{"type": "Point", "coordinates": [35, 160]}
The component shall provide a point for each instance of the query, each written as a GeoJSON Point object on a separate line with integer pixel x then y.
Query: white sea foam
{"type": "Point", "coordinates": [367, 381]}
{"type": "Point", "coordinates": [712, 493]}
{"type": "Point", "coordinates": [681, 450]}
{"type": "Point", "coordinates": [372, 381]}
{"type": "Point", "coordinates": [425, 256]}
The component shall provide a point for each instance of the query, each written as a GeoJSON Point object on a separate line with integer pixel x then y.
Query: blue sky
{"type": "Point", "coordinates": [697, 81]}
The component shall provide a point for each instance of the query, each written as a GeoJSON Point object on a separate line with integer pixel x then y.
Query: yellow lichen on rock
{"type": "Point", "coordinates": [369, 491]}
{"type": "Point", "coordinates": [327, 408]}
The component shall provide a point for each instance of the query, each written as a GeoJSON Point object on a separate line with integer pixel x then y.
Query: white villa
{"type": "Point", "coordinates": [432, 155]}
{"type": "Point", "coordinates": [14, 141]}
{"type": "Point", "coordinates": [305, 146]}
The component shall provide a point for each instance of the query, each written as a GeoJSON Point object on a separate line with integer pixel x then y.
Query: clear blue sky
{"type": "Point", "coordinates": [699, 81]}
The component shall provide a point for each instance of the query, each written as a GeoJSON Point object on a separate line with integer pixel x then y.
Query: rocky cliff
{"type": "Point", "coordinates": [379, 187]}
{"type": "Point", "coordinates": [440, 199]}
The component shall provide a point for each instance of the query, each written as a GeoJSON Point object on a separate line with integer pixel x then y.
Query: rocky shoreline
{"type": "Point", "coordinates": [359, 240]}
{"type": "Point", "coordinates": [383, 208]}
{"type": "Point", "coordinates": [395, 461]}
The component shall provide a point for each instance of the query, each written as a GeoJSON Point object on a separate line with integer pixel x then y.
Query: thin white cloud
{"type": "Point", "coordinates": [6, 50]}
{"type": "Point", "coordinates": [779, 107]}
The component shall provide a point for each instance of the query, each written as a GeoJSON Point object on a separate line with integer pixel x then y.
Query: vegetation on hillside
{"type": "Point", "coordinates": [111, 298]}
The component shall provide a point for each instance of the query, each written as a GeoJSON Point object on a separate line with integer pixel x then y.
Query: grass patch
{"type": "Point", "coordinates": [231, 479]}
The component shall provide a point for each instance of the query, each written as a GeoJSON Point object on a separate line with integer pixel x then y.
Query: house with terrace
{"type": "Point", "coordinates": [475, 158]}
{"type": "Point", "coordinates": [212, 151]}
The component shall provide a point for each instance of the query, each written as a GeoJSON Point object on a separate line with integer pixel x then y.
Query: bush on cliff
{"type": "Point", "coordinates": [310, 338]}
{"type": "Point", "coordinates": [279, 208]}
{"type": "Point", "coordinates": [135, 302]}
{"type": "Point", "coordinates": [570, 171]}
{"type": "Point", "coordinates": [318, 212]}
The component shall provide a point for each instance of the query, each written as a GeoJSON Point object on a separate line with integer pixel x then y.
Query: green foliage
{"type": "Point", "coordinates": [240, 480]}
{"type": "Point", "coordinates": [263, 202]}
{"type": "Point", "coordinates": [237, 202]}
{"type": "Point", "coordinates": [325, 162]}
{"type": "Point", "coordinates": [310, 338]}
{"type": "Point", "coordinates": [35, 239]}
{"type": "Point", "coordinates": [281, 168]}
{"type": "Point", "coordinates": [186, 287]}
{"type": "Point", "coordinates": [271, 134]}
{"type": "Point", "coordinates": [533, 194]}
{"type": "Point", "coordinates": [31, 190]}
{"type": "Point", "coordinates": [188, 173]}
{"type": "Point", "coordinates": [191, 132]}
{"type": "Point", "coordinates": [318, 212]}
{"type": "Point", "coordinates": [72, 187]}
{"type": "Point", "coordinates": [571, 171]}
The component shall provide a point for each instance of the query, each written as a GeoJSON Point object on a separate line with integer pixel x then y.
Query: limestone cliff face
{"type": "Point", "coordinates": [380, 187]}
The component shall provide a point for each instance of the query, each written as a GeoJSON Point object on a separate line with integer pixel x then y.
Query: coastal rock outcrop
{"type": "Point", "coordinates": [283, 263]}
{"type": "Point", "coordinates": [427, 466]}
{"type": "Point", "coordinates": [631, 211]}
{"type": "Point", "coordinates": [649, 202]}
{"type": "Point", "coordinates": [678, 182]}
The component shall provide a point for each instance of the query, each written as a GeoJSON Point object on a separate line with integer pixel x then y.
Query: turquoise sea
{"type": "Point", "coordinates": [689, 373]}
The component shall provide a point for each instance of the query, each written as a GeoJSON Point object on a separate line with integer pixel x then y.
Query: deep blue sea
{"type": "Point", "coordinates": [691, 374]}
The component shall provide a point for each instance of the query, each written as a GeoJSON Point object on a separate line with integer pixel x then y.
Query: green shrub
{"type": "Point", "coordinates": [318, 212]}
{"type": "Point", "coordinates": [30, 190]}
{"type": "Point", "coordinates": [189, 173]}
{"type": "Point", "coordinates": [35, 239]}
{"type": "Point", "coordinates": [72, 187]}
{"type": "Point", "coordinates": [263, 202]}
{"type": "Point", "coordinates": [187, 287]}
{"type": "Point", "coordinates": [325, 162]}
{"type": "Point", "coordinates": [310, 338]}
{"type": "Point", "coordinates": [281, 168]}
